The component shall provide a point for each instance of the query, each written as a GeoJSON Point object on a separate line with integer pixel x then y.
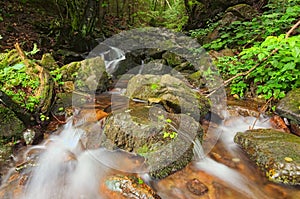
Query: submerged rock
{"type": "Point", "coordinates": [165, 140]}
{"type": "Point", "coordinates": [130, 187]}
{"type": "Point", "coordinates": [172, 93]}
{"type": "Point", "coordinates": [196, 187]}
{"type": "Point", "coordinates": [275, 152]}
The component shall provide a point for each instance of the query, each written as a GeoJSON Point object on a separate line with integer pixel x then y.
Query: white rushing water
{"type": "Point", "coordinates": [66, 170]}
{"type": "Point", "coordinates": [229, 127]}
{"type": "Point", "coordinates": [112, 57]}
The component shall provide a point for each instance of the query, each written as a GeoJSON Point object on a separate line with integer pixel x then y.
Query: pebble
{"type": "Point", "coordinates": [196, 187]}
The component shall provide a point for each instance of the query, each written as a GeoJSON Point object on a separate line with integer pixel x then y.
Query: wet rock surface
{"type": "Point", "coordinates": [289, 107]}
{"type": "Point", "coordinates": [165, 140]}
{"type": "Point", "coordinates": [88, 75]}
{"type": "Point", "coordinates": [10, 125]}
{"type": "Point", "coordinates": [129, 187]}
{"type": "Point", "coordinates": [172, 93]}
{"type": "Point", "coordinates": [275, 152]}
{"type": "Point", "coordinates": [196, 187]}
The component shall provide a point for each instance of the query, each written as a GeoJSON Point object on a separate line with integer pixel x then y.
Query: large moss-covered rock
{"type": "Point", "coordinates": [289, 106]}
{"type": "Point", "coordinates": [10, 125]}
{"type": "Point", "coordinates": [164, 139]}
{"type": "Point", "coordinates": [239, 12]}
{"type": "Point", "coordinates": [202, 11]}
{"type": "Point", "coordinates": [172, 93]}
{"type": "Point", "coordinates": [275, 152]}
{"type": "Point", "coordinates": [89, 75]}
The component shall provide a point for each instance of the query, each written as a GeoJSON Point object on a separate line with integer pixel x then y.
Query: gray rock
{"type": "Point", "coordinates": [165, 140]}
{"type": "Point", "coordinates": [10, 125]}
{"type": "Point", "coordinates": [89, 75]}
{"type": "Point", "coordinates": [289, 106]}
{"type": "Point", "coordinates": [239, 12]}
{"type": "Point", "coordinates": [275, 152]}
{"type": "Point", "coordinates": [172, 93]}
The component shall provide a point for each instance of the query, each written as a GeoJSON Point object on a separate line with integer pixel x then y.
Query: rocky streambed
{"type": "Point", "coordinates": [155, 134]}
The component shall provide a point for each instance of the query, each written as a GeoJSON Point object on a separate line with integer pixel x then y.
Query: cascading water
{"type": "Point", "coordinates": [65, 169]}
{"type": "Point", "coordinates": [112, 58]}
{"type": "Point", "coordinates": [228, 129]}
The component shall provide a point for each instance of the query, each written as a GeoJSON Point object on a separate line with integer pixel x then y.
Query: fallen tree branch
{"type": "Point", "coordinates": [225, 83]}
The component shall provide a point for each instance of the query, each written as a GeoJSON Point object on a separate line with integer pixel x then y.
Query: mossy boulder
{"type": "Point", "coordinates": [88, 75]}
{"type": "Point", "coordinates": [10, 128]}
{"type": "Point", "coordinates": [172, 93]}
{"type": "Point", "coordinates": [5, 157]}
{"type": "Point", "coordinates": [172, 59]}
{"type": "Point", "coordinates": [239, 12]}
{"type": "Point", "coordinates": [197, 79]}
{"type": "Point", "coordinates": [243, 11]}
{"type": "Point", "coordinates": [289, 106]}
{"type": "Point", "coordinates": [275, 152]}
{"type": "Point", "coordinates": [10, 125]}
{"type": "Point", "coordinates": [165, 140]}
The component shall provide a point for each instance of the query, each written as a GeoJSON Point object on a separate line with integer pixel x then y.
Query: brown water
{"type": "Point", "coordinates": [67, 170]}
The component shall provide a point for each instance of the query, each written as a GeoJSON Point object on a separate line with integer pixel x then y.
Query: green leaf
{"type": "Point", "coordinates": [261, 56]}
{"type": "Point", "coordinates": [18, 66]}
{"type": "Point", "coordinates": [34, 50]}
{"type": "Point", "coordinates": [169, 120]}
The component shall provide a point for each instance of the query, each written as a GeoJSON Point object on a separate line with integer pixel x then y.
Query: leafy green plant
{"type": "Point", "coordinates": [18, 81]}
{"type": "Point", "coordinates": [273, 77]}
{"type": "Point", "coordinates": [242, 34]}
{"type": "Point", "coordinates": [143, 150]}
{"type": "Point", "coordinates": [44, 117]}
{"type": "Point", "coordinates": [171, 134]}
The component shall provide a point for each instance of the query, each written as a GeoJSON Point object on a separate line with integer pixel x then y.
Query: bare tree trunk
{"type": "Point", "coordinates": [117, 8]}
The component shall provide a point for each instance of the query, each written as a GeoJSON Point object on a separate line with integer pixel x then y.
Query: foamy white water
{"type": "Point", "coordinates": [229, 127]}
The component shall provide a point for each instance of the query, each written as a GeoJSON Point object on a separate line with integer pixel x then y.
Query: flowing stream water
{"type": "Point", "coordinates": [65, 169]}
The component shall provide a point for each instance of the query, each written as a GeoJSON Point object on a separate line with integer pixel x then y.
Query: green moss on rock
{"type": "Point", "coordinates": [174, 94]}
{"type": "Point", "coordinates": [10, 125]}
{"type": "Point", "coordinates": [289, 106]}
{"type": "Point", "coordinates": [275, 152]}
{"type": "Point", "coordinates": [141, 130]}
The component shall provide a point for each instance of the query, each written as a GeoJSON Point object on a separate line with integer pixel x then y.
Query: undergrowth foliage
{"type": "Point", "coordinates": [273, 77]}
{"type": "Point", "coordinates": [18, 82]}
{"type": "Point", "coordinates": [255, 40]}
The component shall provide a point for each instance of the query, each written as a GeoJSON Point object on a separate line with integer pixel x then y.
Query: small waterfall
{"type": "Point", "coordinates": [231, 177]}
{"type": "Point", "coordinates": [142, 67]}
{"type": "Point", "coordinates": [112, 57]}
{"type": "Point", "coordinates": [229, 127]}
{"type": "Point", "coordinates": [67, 170]}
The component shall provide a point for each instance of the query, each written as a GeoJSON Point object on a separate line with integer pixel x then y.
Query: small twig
{"type": "Point", "coordinates": [263, 109]}
{"type": "Point", "coordinates": [58, 120]}
{"type": "Point", "coordinates": [292, 29]}
{"type": "Point", "coordinates": [225, 83]}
